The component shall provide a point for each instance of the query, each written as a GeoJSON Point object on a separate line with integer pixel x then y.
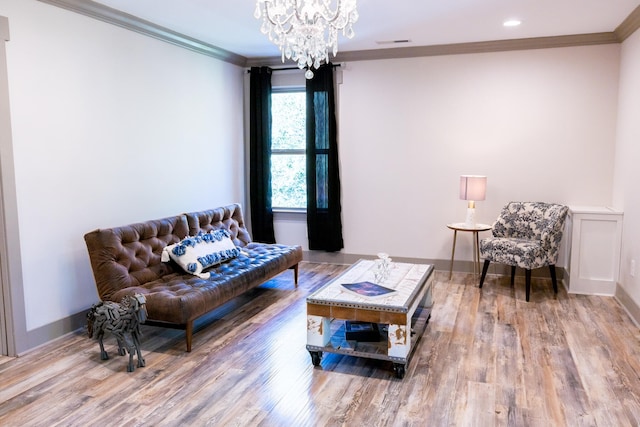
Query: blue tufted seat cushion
{"type": "Point", "coordinates": [180, 297]}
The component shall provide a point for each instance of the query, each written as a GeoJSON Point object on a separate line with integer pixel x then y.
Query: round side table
{"type": "Point", "coordinates": [461, 226]}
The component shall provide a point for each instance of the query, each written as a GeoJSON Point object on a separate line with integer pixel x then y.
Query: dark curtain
{"type": "Point", "coordinates": [260, 155]}
{"type": "Point", "coordinates": [324, 222]}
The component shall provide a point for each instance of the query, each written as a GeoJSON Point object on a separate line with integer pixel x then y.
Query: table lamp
{"type": "Point", "coordinates": [472, 189]}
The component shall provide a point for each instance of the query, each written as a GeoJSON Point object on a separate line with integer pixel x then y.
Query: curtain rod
{"type": "Point", "coordinates": [294, 68]}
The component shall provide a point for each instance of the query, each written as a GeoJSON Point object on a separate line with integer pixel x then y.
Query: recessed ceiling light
{"type": "Point", "coordinates": [512, 23]}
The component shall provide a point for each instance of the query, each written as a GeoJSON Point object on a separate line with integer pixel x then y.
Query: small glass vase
{"type": "Point", "coordinates": [383, 265]}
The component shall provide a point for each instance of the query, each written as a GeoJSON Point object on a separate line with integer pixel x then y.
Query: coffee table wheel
{"type": "Point", "coordinates": [399, 370]}
{"type": "Point", "coordinates": [316, 357]}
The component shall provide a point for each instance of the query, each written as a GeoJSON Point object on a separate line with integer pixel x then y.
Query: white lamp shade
{"type": "Point", "coordinates": [473, 187]}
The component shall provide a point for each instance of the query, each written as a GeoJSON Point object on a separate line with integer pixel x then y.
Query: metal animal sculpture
{"type": "Point", "coordinates": [123, 321]}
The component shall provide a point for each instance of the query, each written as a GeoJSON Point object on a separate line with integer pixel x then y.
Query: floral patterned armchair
{"type": "Point", "coordinates": [525, 235]}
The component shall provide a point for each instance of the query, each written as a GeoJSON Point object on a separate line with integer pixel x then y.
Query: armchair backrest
{"type": "Point", "coordinates": [538, 221]}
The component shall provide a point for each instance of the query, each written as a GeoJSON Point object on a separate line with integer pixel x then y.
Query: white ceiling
{"type": "Point", "coordinates": [230, 24]}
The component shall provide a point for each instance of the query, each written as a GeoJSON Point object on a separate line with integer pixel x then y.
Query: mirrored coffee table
{"type": "Point", "coordinates": [400, 313]}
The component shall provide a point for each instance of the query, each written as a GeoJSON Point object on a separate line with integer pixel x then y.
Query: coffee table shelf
{"type": "Point", "coordinates": [405, 314]}
{"type": "Point", "coordinates": [370, 349]}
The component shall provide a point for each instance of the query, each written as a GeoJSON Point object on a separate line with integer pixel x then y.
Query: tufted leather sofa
{"type": "Point", "coordinates": [126, 260]}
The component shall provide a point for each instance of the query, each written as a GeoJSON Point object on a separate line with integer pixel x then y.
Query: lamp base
{"type": "Point", "coordinates": [470, 221]}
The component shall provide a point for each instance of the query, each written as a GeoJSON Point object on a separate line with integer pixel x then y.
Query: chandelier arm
{"type": "Point", "coordinates": [267, 15]}
{"type": "Point", "coordinates": [296, 11]}
{"type": "Point", "coordinates": [331, 19]}
{"type": "Point", "coordinates": [325, 13]}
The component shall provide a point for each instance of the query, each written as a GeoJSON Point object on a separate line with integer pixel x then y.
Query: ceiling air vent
{"type": "Point", "coordinates": [393, 41]}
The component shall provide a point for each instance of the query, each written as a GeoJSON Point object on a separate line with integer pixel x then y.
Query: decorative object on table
{"type": "Point", "coordinates": [304, 30]}
{"type": "Point", "coordinates": [123, 321]}
{"type": "Point", "coordinates": [383, 265]}
{"type": "Point", "coordinates": [472, 188]}
{"type": "Point", "coordinates": [367, 289]}
{"type": "Point", "coordinates": [526, 235]}
{"type": "Point", "coordinates": [361, 331]}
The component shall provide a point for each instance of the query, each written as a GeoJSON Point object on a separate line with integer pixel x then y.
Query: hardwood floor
{"type": "Point", "coordinates": [487, 358]}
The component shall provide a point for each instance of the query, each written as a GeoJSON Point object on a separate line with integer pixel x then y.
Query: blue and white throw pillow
{"type": "Point", "coordinates": [197, 253]}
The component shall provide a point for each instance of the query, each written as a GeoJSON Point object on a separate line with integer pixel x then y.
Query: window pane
{"type": "Point", "coordinates": [288, 181]}
{"type": "Point", "coordinates": [288, 112]}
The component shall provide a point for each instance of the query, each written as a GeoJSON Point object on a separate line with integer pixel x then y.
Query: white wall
{"type": "Point", "coordinates": [627, 197]}
{"type": "Point", "coordinates": [539, 123]}
{"type": "Point", "coordinates": [110, 127]}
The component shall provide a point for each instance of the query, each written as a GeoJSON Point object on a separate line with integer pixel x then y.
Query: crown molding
{"type": "Point", "coordinates": [462, 48]}
{"type": "Point", "coordinates": [130, 22]}
{"type": "Point", "coordinates": [629, 25]}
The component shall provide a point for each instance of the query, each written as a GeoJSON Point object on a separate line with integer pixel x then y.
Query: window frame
{"type": "Point", "coordinates": [289, 151]}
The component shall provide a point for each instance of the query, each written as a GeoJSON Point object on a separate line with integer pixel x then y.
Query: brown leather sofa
{"type": "Point", "coordinates": [127, 260]}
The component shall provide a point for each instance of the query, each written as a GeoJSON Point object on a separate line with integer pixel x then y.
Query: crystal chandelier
{"type": "Point", "coordinates": [304, 30]}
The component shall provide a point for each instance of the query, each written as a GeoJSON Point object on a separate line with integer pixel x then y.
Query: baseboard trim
{"type": "Point", "coordinates": [629, 305]}
{"type": "Point", "coordinates": [53, 331]}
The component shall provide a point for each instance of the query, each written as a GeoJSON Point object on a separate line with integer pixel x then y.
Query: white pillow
{"type": "Point", "coordinates": [196, 253]}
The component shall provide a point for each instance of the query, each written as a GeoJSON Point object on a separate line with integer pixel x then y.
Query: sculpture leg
{"type": "Point", "coordinates": [121, 348]}
{"type": "Point", "coordinates": [131, 349]}
{"type": "Point", "coordinates": [136, 343]}
{"type": "Point", "coordinates": [125, 343]}
{"type": "Point", "coordinates": [103, 353]}
{"type": "Point", "coordinates": [130, 367]}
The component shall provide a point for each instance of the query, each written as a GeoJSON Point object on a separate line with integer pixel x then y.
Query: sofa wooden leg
{"type": "Point", "coordinates": [527, 279]}
{"type": "Point", "coordinates": [485, 267]}
{"type": "Point", "coordinates": [189, 334]}
{"type": "Point", "coordinates": [295, 275]}
{"type": "Point", "coordinates": [513, 275]}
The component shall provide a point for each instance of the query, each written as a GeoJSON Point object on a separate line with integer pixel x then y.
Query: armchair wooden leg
{"type": "Point", "coordinates": [552, 270]}
{"type": "Point", "coordinates": [513, 275]}
{"type": "Point", "coordinates": [527, 279]}
{"type": "Point", "coordinates": [485, 267]}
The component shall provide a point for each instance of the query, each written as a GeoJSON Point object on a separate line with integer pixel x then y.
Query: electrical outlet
{"type": "Point", "coordinates": [632, 268]}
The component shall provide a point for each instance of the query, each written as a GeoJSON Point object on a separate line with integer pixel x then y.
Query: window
{"type": "Point", "coordinates": [288, 142]}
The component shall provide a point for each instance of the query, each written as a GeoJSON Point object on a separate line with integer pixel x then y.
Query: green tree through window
{"type": "Point", "coordinates": [288, 157]}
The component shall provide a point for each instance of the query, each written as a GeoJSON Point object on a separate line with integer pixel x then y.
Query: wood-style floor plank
{"type": "Point", "coordinates": [487, 358]}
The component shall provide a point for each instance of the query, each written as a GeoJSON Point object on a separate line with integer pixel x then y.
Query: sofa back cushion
{"type": "Point", "coordinates": [227, 217]}
{"type": "Point", "coordinates": [128, 256]}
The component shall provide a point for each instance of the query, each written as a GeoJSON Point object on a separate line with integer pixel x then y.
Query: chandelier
{"type": "Point", "coordinates": [304, 30]}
